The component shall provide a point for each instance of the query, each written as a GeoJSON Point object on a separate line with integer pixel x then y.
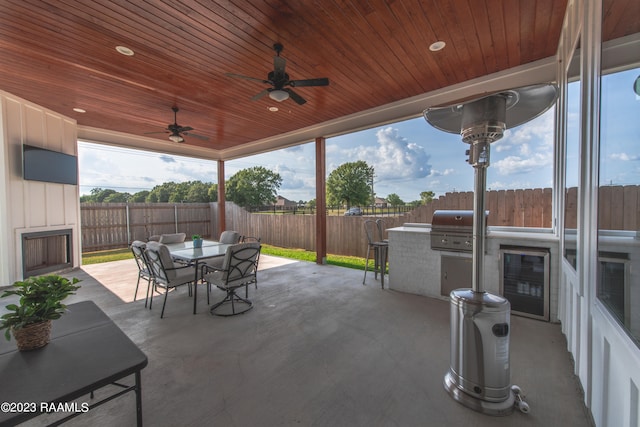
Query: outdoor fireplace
{"type": "Point", "coordinates": [46, 251]}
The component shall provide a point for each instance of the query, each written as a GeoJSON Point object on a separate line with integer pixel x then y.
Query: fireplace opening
{"type": "Point", "coordinates": [46, 251]}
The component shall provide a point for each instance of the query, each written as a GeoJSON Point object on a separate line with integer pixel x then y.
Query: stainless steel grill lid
{"type": "Point", "coordinates": [452, 220]}
{"type": "Point", "coordinates": [452, 230]}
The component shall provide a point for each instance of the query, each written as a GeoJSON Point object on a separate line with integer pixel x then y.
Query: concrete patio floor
{"type": "Point", "coordinates": [318, 349]}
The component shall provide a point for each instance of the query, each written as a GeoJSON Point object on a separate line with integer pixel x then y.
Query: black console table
{"type": "Point", "coordinates": [87, 351]}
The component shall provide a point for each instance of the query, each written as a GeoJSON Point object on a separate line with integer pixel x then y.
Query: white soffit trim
{"type": "Point", "coordinates": [120, 139]}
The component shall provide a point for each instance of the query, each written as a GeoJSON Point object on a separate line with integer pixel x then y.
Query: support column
{"type": "Point", "coordinates": [222, 222]}
{"type": "Point", "coordinates": [321, 204]}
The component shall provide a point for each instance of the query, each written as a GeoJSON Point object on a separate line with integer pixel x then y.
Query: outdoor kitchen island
{"type": "Point", "coordinates": [416, 268]}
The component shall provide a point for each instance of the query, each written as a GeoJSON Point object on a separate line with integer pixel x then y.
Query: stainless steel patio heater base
{"type": "Point", "coordinates": [479, 375]}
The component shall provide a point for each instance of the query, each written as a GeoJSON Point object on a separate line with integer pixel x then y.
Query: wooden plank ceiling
{"type": "Point", "coordinates": [61, 54]}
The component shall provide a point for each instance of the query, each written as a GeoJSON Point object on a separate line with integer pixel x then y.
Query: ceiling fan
{"type": "Point", "coordinates": [279, 80]}
{"type": "Point", "coordinates": [176, 132]}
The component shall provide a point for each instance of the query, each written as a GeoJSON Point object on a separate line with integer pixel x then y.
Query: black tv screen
{"type": "Point", "coordinates": [40, 164]}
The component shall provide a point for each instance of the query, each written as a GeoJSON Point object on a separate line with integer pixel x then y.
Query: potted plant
{"type": "Point", "coordinates": [40, 302]}
{"type": "Point", "coordinates": [197, 241]}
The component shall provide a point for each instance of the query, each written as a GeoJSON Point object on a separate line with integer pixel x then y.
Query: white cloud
{"type": "Point", "coordinates": [399, 158]}
{"type": "Point", "coordinates": [109, 167]}
{"type": "Point", "coordinates": [526, 149]}
{"type": "Point", "coordinates": [393, 157]}
{"type": "Point", "coordinates": [445, 172]}
{"type": "Point", "coordinates": [624, 157]}
{"type": "Point", "coordinates": [539, 132]}
{"type": "Point", "coordinates": [519, 165]}
{"type": "Point", "coordinates": [291, 179]}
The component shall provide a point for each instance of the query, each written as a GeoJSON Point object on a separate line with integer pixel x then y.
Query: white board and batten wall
{"type": "Point", "coordinates": [33, 206]}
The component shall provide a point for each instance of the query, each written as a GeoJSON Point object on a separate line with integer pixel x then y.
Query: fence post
{"type": "Point", "coordinates": [128, 224]}
{"type": "Point", "coordinates": [175, 216]}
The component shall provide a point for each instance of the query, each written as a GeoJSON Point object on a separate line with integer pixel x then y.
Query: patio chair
{"type": "Point", "coordinates": [144, 272]}
{"type": "Point", "coordinates": [172, 238]}
{"type": "Point", "coordinates": [251, 239]}
{"type": "Point", "coordinates": [382, 228]}
{"type": "Point", "coordinates": [166, 273]}
{"type": "Point", "coordinates": [229, 236]}
{"type": "Point", "coordinates": [238, 270]}
{"type": "Point", "coordinates": [378, 246]}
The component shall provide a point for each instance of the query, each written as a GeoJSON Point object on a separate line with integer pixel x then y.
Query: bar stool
{"type": "Point", "coordinates": [379, 247]}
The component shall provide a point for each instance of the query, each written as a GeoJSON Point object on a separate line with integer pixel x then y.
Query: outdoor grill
{"type": "Point", "coordinates": [452, 230]}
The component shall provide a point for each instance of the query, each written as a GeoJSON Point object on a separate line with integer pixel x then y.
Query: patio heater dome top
{"type": "Point", "coordinates": [519, 106]}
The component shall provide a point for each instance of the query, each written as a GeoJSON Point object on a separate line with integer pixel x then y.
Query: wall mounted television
{"type": "Point", "coordinates": [40, 164]}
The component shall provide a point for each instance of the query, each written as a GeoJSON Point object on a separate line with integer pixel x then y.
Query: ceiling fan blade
{"type": "Point", "coordinates": [297, 98]}
{"type": "Point", "coordinates": [240, 76]}
{"type": "Point", "coordinates": [181, 129]}
{"type": "Point", "coordinates": [323, 81]}
{"type": "Point", "coordinates": [195, 135]}
{"type": "Point", "coordinates": [260, 95]}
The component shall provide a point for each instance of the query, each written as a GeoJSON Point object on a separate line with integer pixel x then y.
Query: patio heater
{"type": "Point", "coordinates": [479, 375]}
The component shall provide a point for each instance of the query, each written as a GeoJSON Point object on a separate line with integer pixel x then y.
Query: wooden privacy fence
{"type": "Point", "coordinates": [346, 236]}
{"type": "Point", "coordinates": [115, 225]}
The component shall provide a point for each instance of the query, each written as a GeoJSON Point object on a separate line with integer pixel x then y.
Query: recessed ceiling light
{"type": "Point", "coordinates": [273, 109]}
{"type": "Point", "coordinates": [436, 46]}
{"type": "Point", "coordinates": [79, 110]}
{"type": "Point", "coordinates": [124, 50]}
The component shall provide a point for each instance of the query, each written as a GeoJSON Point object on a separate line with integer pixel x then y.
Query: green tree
{"type": "Point", "coordinates": [213, 192]}
{"type": "Point", "coordinates": [160, 193]}
{"type": "Point", "coordinates": [178, 192]}
{"type": "Point", "coordinates": [139, 197]}
{"type": "Point", "coordinates": [426, 196]}
{"type": "Point", "coordinates": [252, 187]}
{"type": "Point", "coordinates": [117, 198]}
{"type": "Point", "coordinates": [394, 200]}
{"type": "Point", "coordinates": [171, 192]}
{"type": "Point", "coordinates": [349, 184]}
{"type": "Point", "coordinates": [98, 195]}
{"type": "Point", "coordinates": [198, 192]}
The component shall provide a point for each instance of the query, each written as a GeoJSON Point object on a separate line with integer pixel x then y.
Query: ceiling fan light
{"type": "Point", "coordinates": [176, 138]}
{"type": "Point", "coordinates": [279, 95]}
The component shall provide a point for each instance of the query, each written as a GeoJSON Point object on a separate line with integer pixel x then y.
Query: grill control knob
{"type": "Point", "coordinates": [444, 241]}
{"type": "Point", "coordinates": [468, 243]}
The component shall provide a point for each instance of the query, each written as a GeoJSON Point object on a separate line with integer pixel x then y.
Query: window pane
{"type": "Point", "coordinates": [618, 286]}
{"type": "Point", "coordinates": [572, 172]}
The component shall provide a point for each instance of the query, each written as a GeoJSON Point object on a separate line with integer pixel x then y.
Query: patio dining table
{"type": "Point", "coordinates": [186, 252]}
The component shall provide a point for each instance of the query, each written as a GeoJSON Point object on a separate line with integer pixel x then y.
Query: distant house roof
{"type": "Point", "coordinates": [281, 201]}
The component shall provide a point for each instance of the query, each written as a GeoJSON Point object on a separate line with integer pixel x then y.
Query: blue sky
{"type": "Point", "coordinates": [408, 157]}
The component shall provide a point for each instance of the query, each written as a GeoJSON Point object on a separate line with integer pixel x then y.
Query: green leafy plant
{"type": "Point", "coordinates": [40, 300]}
{"type": "Point", "coordinates": [196, 237]}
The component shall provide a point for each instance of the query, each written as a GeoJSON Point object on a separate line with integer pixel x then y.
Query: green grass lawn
{"type": "Point", "coordinates": [297, 254]}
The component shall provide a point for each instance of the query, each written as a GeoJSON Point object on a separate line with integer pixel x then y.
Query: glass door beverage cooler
{"type": "Point", "coordinates": [524, 281]}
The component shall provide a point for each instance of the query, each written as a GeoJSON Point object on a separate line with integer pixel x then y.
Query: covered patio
{"type": "Point", "coordinates": [320, 349]}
